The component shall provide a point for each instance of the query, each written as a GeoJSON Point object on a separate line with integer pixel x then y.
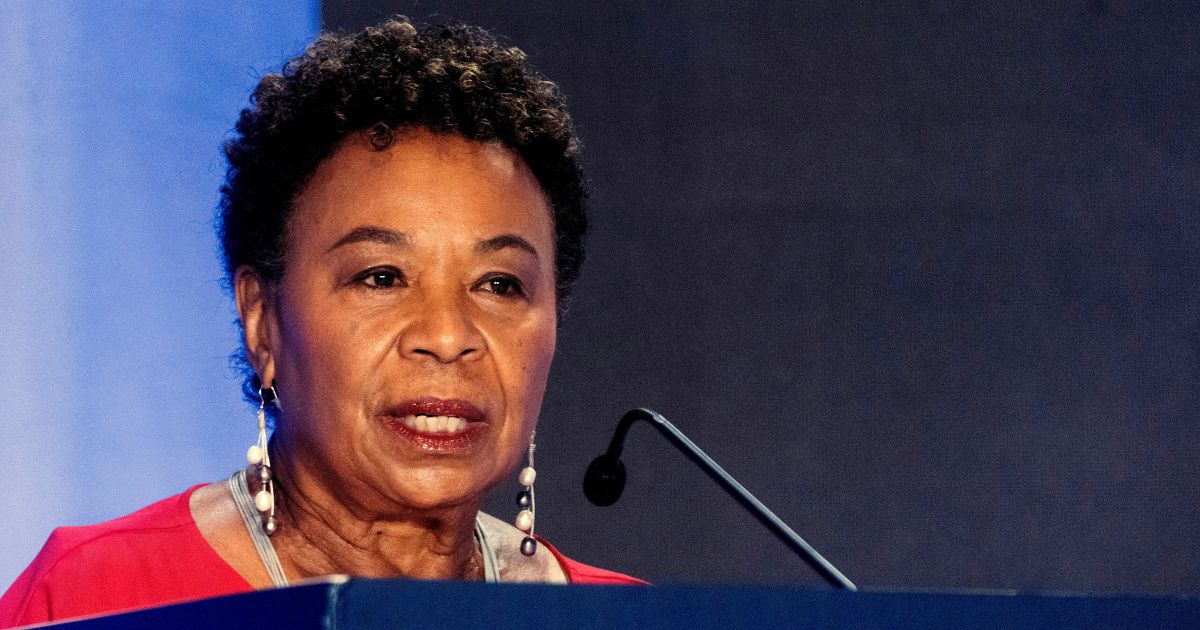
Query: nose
{"type": "Point", "coordinates": [442, 329]}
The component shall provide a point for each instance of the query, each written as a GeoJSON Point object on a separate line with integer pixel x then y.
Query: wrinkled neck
{"type": "Point", "coordinates": [324, 530]}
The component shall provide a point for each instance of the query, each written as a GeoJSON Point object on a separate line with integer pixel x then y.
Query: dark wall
{"type": "Point", "coordinates": [923, 277]}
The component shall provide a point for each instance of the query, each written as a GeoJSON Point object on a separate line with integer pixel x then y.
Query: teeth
{"type": "Point", "coordinates": [435, 424]}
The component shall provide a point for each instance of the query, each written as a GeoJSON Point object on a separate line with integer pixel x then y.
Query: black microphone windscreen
{"type": "Point", "coordinates": [604, 480]}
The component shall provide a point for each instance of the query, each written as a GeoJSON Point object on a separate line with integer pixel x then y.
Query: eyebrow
{"type": "Point", "coordinates": [384, 236]}
{"type": "Point", "coordinates": [504, 241]}
{"type": "Point", "coordinates": [372, 234]}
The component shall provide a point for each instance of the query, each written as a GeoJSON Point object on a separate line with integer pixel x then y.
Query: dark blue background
{"type": "Point", "coordinates": [922, 274]}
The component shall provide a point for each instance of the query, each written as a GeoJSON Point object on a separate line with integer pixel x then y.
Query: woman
{"type": "Point", "coordinates": [402, 222]}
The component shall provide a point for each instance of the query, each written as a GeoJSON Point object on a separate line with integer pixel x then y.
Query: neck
{"type": "Point", "coordinates": [322, 531]}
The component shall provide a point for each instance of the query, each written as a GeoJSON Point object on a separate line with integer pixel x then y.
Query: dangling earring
{"type": "Point", "coordinates": [264, 500]}
{"type": "Point", "coordinates": [525, 501]}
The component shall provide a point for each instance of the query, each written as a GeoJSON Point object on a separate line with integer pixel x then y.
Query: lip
{"type": "Point", "coordinates": [432, 406]}
{"type": "Point", "coordinates": [438, 442]}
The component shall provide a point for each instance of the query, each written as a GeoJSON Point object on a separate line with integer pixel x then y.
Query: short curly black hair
{"type": "Point", "coordinates": [450, 79]}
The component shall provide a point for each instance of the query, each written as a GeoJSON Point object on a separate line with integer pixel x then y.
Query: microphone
{"type": "Point", "coordinates": [604, 482]}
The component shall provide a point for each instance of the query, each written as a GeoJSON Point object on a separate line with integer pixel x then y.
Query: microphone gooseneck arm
{"type": "Point", "coordinates": [608, 469]}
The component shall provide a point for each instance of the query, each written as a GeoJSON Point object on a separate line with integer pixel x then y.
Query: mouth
{"type": "Point", "coordinates": [438, 424]}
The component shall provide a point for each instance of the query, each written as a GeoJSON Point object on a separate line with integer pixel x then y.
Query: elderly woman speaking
{"type": "Point", "coordinates": [401, 223]}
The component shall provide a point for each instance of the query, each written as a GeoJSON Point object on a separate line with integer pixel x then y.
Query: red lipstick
{"type": "Point", "coordinates": [437, 424]}
{"type": "Point", "coordinates": [430, 406]}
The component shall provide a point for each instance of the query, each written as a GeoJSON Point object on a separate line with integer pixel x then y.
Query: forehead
{"type": "Point", "coordinates": [423, 183]}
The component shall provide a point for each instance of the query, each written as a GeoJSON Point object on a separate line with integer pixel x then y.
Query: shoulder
{"type": "Point", "coordinates": [96, 548]}
{"type": "Point", "coordinates": [132, 561]}
{"type": "Point", "coordinates": [580, 573]}
{"type": "Point", "coordinates": [158, 518]}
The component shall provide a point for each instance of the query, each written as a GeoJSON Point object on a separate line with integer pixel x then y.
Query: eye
{"type": "Point", "coordinates": [381, 278]}
{"type": "Point", "coordinates": [503, 285]}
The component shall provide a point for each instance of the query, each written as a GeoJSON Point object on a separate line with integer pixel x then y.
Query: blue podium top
{"type": "Point", "coordinates": [360, 604]}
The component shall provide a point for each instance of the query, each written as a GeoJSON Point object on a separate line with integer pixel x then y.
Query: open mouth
{"type": "Point", "coordinates": [438, 424]}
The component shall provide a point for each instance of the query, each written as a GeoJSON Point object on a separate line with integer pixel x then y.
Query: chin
{"type": "Point", "coordinates": [439, 488]}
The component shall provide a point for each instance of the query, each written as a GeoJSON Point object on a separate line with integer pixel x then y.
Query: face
{"type": "Point", "coordinates": [411, 335]}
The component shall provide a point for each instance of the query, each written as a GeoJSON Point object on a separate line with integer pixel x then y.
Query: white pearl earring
{"type": "Point", "coordinates": [260, 458]}
{"type": "Point", "coordinates": [525, 501]}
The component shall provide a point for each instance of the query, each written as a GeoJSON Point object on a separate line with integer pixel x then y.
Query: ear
{"type": "Point", "coordinates": [256, 309]}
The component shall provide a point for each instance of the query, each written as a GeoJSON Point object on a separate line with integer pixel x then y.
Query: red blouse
{"type": "Point", "coordinates": [154, 556]}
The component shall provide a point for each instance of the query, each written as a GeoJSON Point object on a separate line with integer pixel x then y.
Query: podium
{"type": "Point", "coordinates": [361, 604]}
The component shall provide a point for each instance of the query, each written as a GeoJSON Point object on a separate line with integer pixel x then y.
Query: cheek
{"type": "Point", "coordinates": [322, 354]}
{"type": "Point", "coordinates": [305, 339]}
{"type": "Point", "coordinates": [536, 351]}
